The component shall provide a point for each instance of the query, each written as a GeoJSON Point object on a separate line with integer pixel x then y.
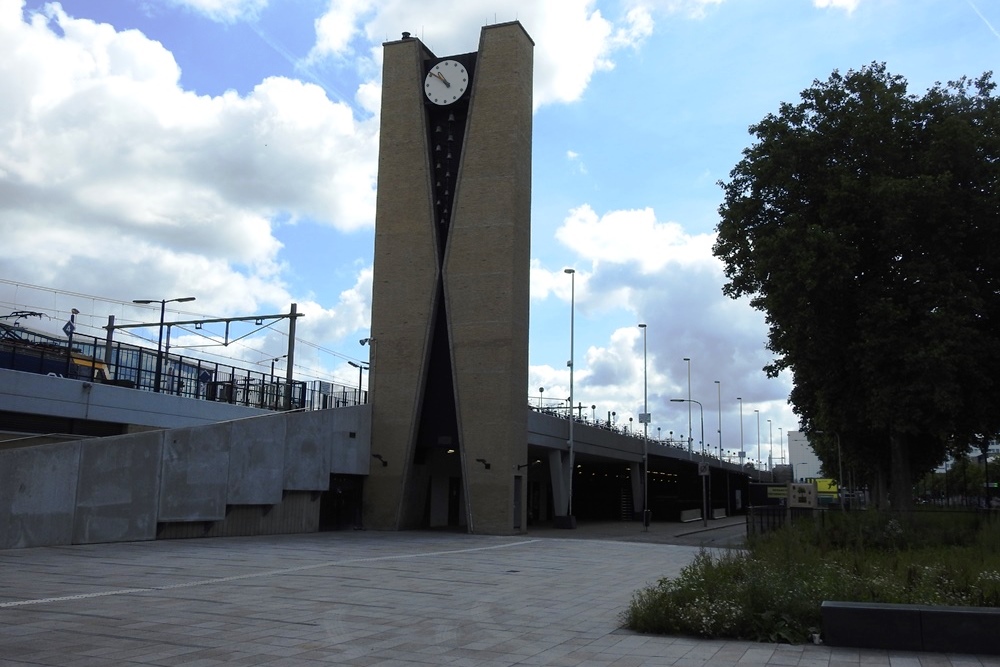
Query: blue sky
{"type": "Point", "coordinates": [226, 149]}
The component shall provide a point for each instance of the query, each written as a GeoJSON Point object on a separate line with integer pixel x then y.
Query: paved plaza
{"type": "Point", "coordinates": [371, 598]}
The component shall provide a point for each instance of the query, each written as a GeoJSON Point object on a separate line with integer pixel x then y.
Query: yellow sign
{"type": "Point", "coordinates": [826, 486]}
{"type": "Point", "coordinates": [777, 492]}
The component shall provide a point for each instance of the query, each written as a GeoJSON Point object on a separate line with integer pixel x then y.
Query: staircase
{"type": "Point", "coordinates": [628, 513]}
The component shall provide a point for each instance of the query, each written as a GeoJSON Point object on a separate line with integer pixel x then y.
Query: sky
{"type": "Point", "coordinates": [227, 150]}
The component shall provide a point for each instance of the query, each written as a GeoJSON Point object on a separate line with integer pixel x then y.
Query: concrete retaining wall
{"type": "Point", "coordinates": [124, 487]}
{"type": "Point", "coordinates": [34, 394]}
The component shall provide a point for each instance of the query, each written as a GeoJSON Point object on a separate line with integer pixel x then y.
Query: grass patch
{"type": "Point", "coordinates": [772, 589]}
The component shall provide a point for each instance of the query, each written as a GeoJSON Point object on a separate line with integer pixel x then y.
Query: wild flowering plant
{"type": "Point", "coordinates": [773, 589]}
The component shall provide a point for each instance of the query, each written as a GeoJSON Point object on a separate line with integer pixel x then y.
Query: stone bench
{"type": "Point", "coordinates": [912, 627]}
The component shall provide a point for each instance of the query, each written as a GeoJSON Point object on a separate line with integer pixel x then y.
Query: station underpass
{"type": "Point", "coordinates": [607, 476]}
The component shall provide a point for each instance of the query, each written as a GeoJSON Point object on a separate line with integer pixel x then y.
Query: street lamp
{"type": "Point", "coordinates": [742, 450]}
{"type": "Point", "coordinates": [770, 448]}
{"type": "Point", "coordinates": [690, 430]}
{"type": "Point", "coordinates": [272, 386]}
{"type": "Point", "coordinates": [159, 344]}
{"type": "Point", "coordinates": [572, 317]}
{"type": "Point", "coordinates": [718, 385]}
{"type": "Point", "coordinates": [272, 364]}
{"type": "Point", "coordinates": [69, 328]}
{"type": "Point", "coordinates": [644, 418]}
{"type": "Point", "coordinates": [704, 495]}
{"type": "Point", "coordinates": [361, 367]}
{"type": "Point", "coordinates": [758, 442]}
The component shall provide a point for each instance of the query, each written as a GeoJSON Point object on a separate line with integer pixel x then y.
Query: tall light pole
{"type": "Point", "coordinates": [644, 418]}
{"type": "Point", "coordinates": [272, 364]}
{"type": "Point", "coordinates": [68, 329]}
{"type": "Point", "coordinates": [718, 385]}
{"type": "Point", "coordinates": [159, 345]}
{"type": "Point", "coordinates": [758, 442]}
{"type": "Point", "coordinates": [770, 448]}
{"type": "Point", "coordinates": [361, 368]}
{"type": "Point", "coordinates": [781, 446]}
{"type": "Point", "coordinates": [572, 317]}
{"type": "Point", "coordinates": [277, 401]}
{"type": "Point", "coordinates": [704, 494]}
{"type": "Point", "coordinates": [742, 451]}
{"type": "Point", "coordinates": [690, 430]}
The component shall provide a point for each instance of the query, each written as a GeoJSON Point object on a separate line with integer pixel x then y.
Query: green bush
{"type": "Point", "coordinates": [772, 589]}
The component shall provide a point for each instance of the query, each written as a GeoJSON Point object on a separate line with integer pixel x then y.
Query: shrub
{"type": "Point", "coordinates": [772, 589]}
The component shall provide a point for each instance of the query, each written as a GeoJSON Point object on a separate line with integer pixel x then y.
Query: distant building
{"type": "Point", "coordinates": [803, 460]}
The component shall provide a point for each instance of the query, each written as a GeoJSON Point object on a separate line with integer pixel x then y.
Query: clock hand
{"type": "Point", "coordinates": [441, 76]}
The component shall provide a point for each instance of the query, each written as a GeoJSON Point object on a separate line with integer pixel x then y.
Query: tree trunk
{"type": "Point", "coordinates": [900, 474]}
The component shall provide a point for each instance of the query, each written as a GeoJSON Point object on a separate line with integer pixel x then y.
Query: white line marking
{"type": "Point", "coordinates": [255, 575]}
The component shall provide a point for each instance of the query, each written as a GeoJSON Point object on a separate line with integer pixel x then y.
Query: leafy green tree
{"type": "Point", "coordinates": [865, 223]}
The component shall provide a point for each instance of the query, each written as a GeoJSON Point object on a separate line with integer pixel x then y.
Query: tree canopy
{"type": "Point", "coordinates": [865, 223]}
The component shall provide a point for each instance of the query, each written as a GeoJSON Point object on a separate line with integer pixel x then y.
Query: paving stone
{"type": "Point", "coordinates": [369, 598]}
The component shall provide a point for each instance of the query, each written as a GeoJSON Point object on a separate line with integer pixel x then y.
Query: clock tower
{"type": "Point", "coordinates": [449, 333]}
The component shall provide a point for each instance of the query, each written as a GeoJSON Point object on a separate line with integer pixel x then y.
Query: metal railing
{"type": "Point", "coordinates": [134, 367]}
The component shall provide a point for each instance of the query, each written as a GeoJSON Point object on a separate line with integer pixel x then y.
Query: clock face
{"type": "Point", "coordinates": [446, 82]}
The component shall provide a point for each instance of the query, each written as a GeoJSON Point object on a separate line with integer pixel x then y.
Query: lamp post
{"type": "Point", "coordinates": [758, 442]}
{"type": "Point", "coordinates": [718, 385]}
{"type": "Point", "coordinates": [159, 344]}
{"type": "Point", "coordinates": [770, 449]}
{"type": "Point", "coordinates": [690, 430]}
{"type": "Point", "coordinates": [361, 367]}
{"type": "Point", "coordinates": [277, 399]}
{"type": "Point", "coordinates": [704, 486]}
{"type": "Point", "coordinates": [644, 418]}
{"type": "Point", "coordinates": [541, 390]}
{"type": "Point", "coordinates": [781, 446]}
{"type": "Point", "coordinates": [742, 450]}
{"type": "Point", "coordinates": [572, 317]}
{"type": "Point", "coordinates": [69, 328]}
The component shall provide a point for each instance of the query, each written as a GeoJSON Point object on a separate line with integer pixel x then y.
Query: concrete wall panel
{"type": "Point", "coordinates": [195, 477]}
{"type": "Point", "coordinates": [119, 482]}
{"type": "Point", "coordinates": [308, 445]}
{"type": "Point", "coordinates": [38, 488]}
{"type": "Point", "coordinates": [351, 447]}
{"type": "Point", "coordinates": [256, 461]}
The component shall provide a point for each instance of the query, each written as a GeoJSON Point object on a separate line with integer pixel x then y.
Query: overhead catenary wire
{"type": "Point", "coordinates": [94, 325]}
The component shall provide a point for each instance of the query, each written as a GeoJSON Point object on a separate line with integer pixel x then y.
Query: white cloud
{"type": "Point", "coordinates": [620, 237]}
{"type": "Point", "coordinates": [105, 161]}
{"type": "Point", "coordinates": [573, 39]}
{"type": "Point", "coordinates": [338, 26]}
{"type": "Point", "coordinates": [693, 9]}
{"type": "Point", "coordinates": [632, 267]}
{"type": "Point", "coordinates": [847, 5]}
{"type": "Point", "coordinates": [574, 159]}
{"type": "Point", "coordinates": [225, 11]}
